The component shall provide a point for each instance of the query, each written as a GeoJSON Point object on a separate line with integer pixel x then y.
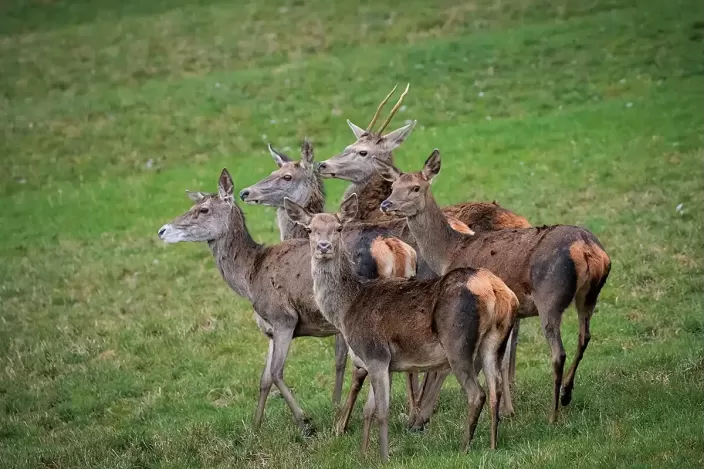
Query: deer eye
{"type": "Point", "coordinates": [416, 188]}
{"type": "Point", "coordinates": [203, 210]}
{"type": "Point", "coordinates": [287, 177]}
{"type": "Point", "coordinates": [363, 153]}
{"type": "Point", "coordinates": [339, 229]}
{"type": "Point", "coordinates": [308, 230]}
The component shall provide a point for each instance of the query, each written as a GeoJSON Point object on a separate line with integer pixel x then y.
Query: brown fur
{"type": "Point", "coordinates": [394, 257]}
{"type": "Point", "coordinates": [501, 301]}
{"type": "Point", "coordinates": [459, 226]}
{"type": "Point", "coordinates": [591, 264]}
{"type": "Point", "coordinates": [484, 216]}
{"type": "Point", "coordinates": [394, 325]}
{"type": "Point", "coordinates": [547, 267]}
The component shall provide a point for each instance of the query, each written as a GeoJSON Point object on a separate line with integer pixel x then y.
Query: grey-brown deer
{"type": "Point", "coordinates": [275, 279]}
{"type": "Point", "coordinates": [395, 325]}
{"type": "Point", "coordinates": [355, 164]}
{"type": "Point", "coordinates": [547, 267]}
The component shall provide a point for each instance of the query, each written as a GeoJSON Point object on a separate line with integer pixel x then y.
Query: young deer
{"type": "Point", "coordinates": [377, 252]}
{"type": "Point", "coordinates": [275, 279]}
{"type": "Point", "coordinates": [355, 164]}
{"type": "Point", "coordinates": [547, 267]}
{"type": "Point", "coordinates": [397, 325]}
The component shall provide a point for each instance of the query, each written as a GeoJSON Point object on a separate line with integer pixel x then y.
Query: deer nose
{"type": "Point", "coordinates": [324, 246]}
{"type": "Point", "coordinates": [161, 231]}
{"type": "Point", "coordinates": [385, 205]}
{"type": "Point", "coordinates": [244, 193]}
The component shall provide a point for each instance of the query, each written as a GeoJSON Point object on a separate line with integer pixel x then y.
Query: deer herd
{"type": "Point", "coordinates": [404, 284]}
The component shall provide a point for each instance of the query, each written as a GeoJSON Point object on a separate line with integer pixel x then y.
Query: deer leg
{"type": "Point", "coordinates": [552, 330]}
{"type": "Point", "coordinates": [412, 382]}
{"type": "Point", "coordinates": [506, 405]}
{"type": "Point", "coordinates": [358, 378]}
{"type": "Point", "coordinates": [510, 358]}
{"type": "Point", "coordinates": [584, 316]}
{"type": "Point", "coordinates": [341, 357]}
{"type": "Point", "coordinates": [282, 340]}
{"type": "Point", "coordinates": [491, 360]}
{"type": "Point", "coordinates": [265, 385]}
{"type": "Point", "coordinates": [380, 384]}
{"type": "Point", "coordinates": [428, 379]}
{"type": "Point", "coordinates": [368, 412]}
{"type": "Point", "coordinates": [429, 400]}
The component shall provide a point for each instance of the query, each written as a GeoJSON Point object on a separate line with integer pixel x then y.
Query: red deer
{"type": "Point", "coordinates": [397, 325]}
{"type": "Point", "coordinates": [275, 279]}
{"type": "Point", "coordinates": [547, 267]}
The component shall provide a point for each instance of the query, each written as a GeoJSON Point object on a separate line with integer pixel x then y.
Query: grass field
{"type": "Point", "coordinates": [119, 351]}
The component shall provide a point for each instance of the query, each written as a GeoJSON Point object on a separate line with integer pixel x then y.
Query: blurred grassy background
{"type": "Point", "coordinates": [119, 351]}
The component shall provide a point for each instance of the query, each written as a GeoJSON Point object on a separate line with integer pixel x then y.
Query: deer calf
{"type": "Point", "coordinates": [395, 325]}
{"type": "Point", "coordinates": [547, 267]}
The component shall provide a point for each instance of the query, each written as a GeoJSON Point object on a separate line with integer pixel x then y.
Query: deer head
{"type": "Point", "coordinates": [354, 164]}
{"type": "Point", "coordinates": [296, 180]}
{"type": "Point", "coordinates": [324, 228]}
{"type": "Point", "coordinates": [209, 217]}
{"type": "Point", "coordinates": [409, 190]}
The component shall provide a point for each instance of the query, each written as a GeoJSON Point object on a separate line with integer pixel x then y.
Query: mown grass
{"type": "Point", "coordinates": [119, 351]}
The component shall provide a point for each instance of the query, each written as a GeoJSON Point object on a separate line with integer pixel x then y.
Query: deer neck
{"type": "Point", "coordinates": [335, 286]}
{"type": "Point", "coordinates": [314, 203]}
{"type": "Point", "coordinates": [287, 228]}
{"type": "Point", "coordinates": [433, 235]}
{"type": "Point", "coordinates": [370, 195]}
{"type": "Point", "coordinates": [236, 254]}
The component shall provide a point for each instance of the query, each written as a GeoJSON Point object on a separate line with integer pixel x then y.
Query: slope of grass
{"type": "Point", "coordinates": [119, 351]}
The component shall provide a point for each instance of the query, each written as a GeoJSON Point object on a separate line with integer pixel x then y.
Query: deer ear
{"type": "Point", "coordinates": [225, 186]}
{"type": "Point", "coordinates": [279, 158]}
{"type": "Point", "coordinates": [359, 132]}
{"type": "Point", "coordinates": [348, 209]}
{"type": "Point", "coordinates": [307, 153]}
{"type": "Point", "coordinates": [396, 137]}
{"type": "Point", "coordinates": [432, 166]}
{"type": "Point", "coordinates": [386, 170]}
{"type": "Point", "coordinates": [296, 212]}
{"type": "Point", "coordinates": [196, 196]}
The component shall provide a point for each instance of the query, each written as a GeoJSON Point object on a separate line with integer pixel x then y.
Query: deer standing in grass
{"type": "Point", "coordinates": [547, 267]}
{"type": "Point", "coordinates": [377, 252]}
{"type": "Point", "coordinates": [355, 164]}
{"type": "Point", "coordinates": [395, 325]}
{"type": "Point", "coordinates": [275, 279]}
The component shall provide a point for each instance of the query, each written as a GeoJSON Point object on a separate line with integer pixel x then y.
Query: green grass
{"type": "Point", "coordinates": [118, 351]}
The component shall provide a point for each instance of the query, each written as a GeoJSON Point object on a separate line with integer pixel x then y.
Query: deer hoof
{"type": "Point", "coordinates": [418, 427]}
{"type": "Point", "coordinates": [566, 396]}
{"type": "Point", "coordinates": [307, 429]}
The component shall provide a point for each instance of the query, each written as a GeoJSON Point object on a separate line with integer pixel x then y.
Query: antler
{"type": "Point", "coordinates": [379, 108]}
{"type": "Point", "coordinates": [394, 109]}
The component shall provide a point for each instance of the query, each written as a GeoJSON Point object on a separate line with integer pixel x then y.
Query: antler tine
{"type": "Point", "coordinates": [394, 109]}
{"type": "Point", "coordinates": [379, 109]}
